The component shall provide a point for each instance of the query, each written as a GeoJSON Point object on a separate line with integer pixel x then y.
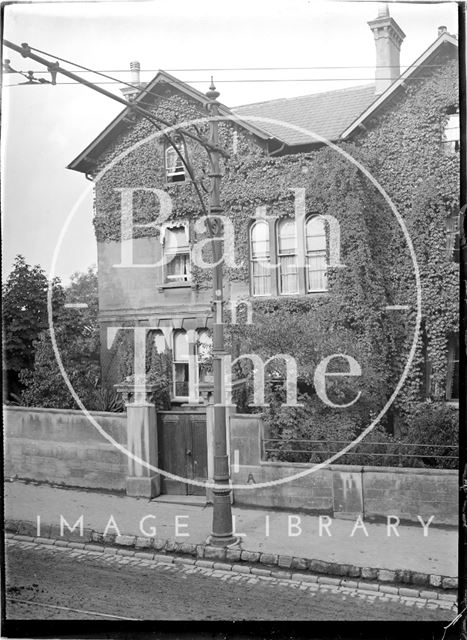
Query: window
{"type": "Point", "coordinates": [177, 252]}
{"type": "Point", "coordinates": [180, 365]}
{"type": "Point", "coordinates": [452, 132]}
{"type": "Point", "coordinates": [453, 222]}
{"type": "Point", "coordinates": [159, 342]}
{"type": "Point", "coordinates": [315, 250]}
{"type": "Point", "coordinates": [204, 355]}
{"type": "Point", "coordinates": [452, 378]}
{"type": "Point", "coordinates": [260, 258]}
{"type": "Point", "coordinates": [285, 261]}
{"type": "Point", "coordinates": [287, 255]}
{"type": "Point", "coordinates": [174, 167]}
{"type": "Point", "coordinates": [185, 377]}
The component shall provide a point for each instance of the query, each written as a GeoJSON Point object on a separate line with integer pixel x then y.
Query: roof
{"type": "Point", "coordinates": [86, 160]}
{"type": "Point", "coordinates": [332, 115]}
{"type": "Point", "coordinates": [327, 114]}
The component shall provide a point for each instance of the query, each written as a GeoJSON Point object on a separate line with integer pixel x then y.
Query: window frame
{"type": "Point", "coordinates": [450, 143]}
{"type": "Point", "coordinates": [169, 149]}
{"type": "Point", "coordinates": [281, 255]}
{"type": "Point", "coordinates": [274, 256]}
{"type": "Point", "coordinates": [175, 362]}
{"type": "Point", "coordinates": [308, 219]}
{"type": "Point", "coordinates": [183, 250]}
{"type": "Point", "coordinates": [254, 260]}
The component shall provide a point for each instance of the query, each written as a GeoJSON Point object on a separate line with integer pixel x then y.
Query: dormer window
{"type": "Point", "coordinates": [174, 167]}
{"type": "Point", "coordinates": [451, 131]}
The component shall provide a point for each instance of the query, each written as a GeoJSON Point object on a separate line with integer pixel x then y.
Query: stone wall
{"type": "Point", "coordinates": [61, 446]}
{"type": "Point", "coordinates": [339, 490]}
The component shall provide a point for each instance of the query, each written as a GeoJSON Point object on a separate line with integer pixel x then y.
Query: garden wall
{"type": "Point", "coordinates": [61, 446]}
{"type": "Point", "coordinates": [339, 490]}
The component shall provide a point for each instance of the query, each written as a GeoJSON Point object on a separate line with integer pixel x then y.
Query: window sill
{"type": "Point", "coordinates": [175, 285]}
{"type": "Point", "coordinates": [313, 294]}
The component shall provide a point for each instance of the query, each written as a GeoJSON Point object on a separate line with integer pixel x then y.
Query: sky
{"type": "Point", "coordinates": [45, 127]}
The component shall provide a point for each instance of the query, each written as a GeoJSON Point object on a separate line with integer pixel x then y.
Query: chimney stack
{"type": "Point", "coordinates": [442, 30]}
{"type": "Point", "coordinates": [388, 39]}
{"type": "Point", "coordinates": [130, 92]}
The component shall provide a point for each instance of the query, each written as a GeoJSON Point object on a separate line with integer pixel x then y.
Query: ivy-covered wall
{"type": "Point", "coordinates": [403, 149]}
{"type": "Point", "coordinates": [422, 178]}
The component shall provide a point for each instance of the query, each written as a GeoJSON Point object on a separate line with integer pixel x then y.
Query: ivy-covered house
{"type": "Point", "coordinates": [403, 129]}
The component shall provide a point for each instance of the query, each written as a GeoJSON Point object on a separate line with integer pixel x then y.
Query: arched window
{"type": "Point", "coordinates": [287, 255]}
{"type": "Point", "coordinates": [315, 247]}
{"type": "Point", "coordinates": [174, 167]}
{"type": "Point", "coordinates": [180, 364]}
{"type": "Point", "coordinates": [260, 258]}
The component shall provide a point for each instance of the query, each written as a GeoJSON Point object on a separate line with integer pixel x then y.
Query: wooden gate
{"type": "Point", "coordinates": [182, 450]}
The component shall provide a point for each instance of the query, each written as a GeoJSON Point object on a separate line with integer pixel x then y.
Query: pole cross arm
{"type": "Point", "coordinates": [27, 52]}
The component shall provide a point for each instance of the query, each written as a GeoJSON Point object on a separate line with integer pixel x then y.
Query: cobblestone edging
{"type": "Point", "coordinates": [430, 586]}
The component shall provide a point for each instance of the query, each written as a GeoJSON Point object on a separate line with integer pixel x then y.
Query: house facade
{"type": "Point", "coordinates": [404, 127]}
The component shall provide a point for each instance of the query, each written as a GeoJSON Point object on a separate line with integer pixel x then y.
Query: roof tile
{"type": "Point", "coordinates": [327, 114]}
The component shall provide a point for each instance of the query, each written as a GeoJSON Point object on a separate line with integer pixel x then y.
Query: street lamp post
{"type": "Point", "coordinates": [222, 531]}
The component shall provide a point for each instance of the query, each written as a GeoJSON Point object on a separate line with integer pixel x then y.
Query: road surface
{"type": "Point", "coordinates": [46, 582]}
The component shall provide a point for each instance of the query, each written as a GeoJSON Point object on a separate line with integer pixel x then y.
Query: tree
{"type": "Point", "coordinates": [76, 333]}
{"type": "Point", "coordinates": [24, 317]}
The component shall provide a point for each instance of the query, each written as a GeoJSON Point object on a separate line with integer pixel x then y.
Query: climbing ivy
{"type": "Point", "coordinates": [403, 149]}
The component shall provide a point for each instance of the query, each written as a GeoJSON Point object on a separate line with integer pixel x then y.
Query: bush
{"type": "Point", "coordinates": [313, 432]}
{"type": "Point", "coordinates": [435, 427]}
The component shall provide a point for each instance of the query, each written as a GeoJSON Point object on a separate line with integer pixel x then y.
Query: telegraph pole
{"type": "Point", "coordinates": [222, 531]}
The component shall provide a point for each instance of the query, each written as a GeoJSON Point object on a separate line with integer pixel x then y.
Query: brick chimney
{"type": "Point", "coordinates": [442, 30]}
{"type": "Point", "coordinates": [130, 92]}
{"type": "Point", "coordinates": [388, 39]}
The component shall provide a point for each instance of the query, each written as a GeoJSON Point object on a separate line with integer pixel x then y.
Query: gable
{"type": "Point", "coordinates": [161, 85]}
{"type": "Point", "coordinates": [445, 45]}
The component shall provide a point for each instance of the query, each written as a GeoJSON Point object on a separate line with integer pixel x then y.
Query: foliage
{"type": "Point", "coordinates": [158, 367]}
{"type": "Point", "coordinates": [422, 179]}
{"type": "Point", "coordinates": [76, 333]}
{"type": "Point", "coordinates": [312, 433]}
{"type": "Point", "coordinates": [24, 296]}
{"type": "Point", "coordinates": [403, 149]}
{"type": "Point", "coordinates": [431, 423]}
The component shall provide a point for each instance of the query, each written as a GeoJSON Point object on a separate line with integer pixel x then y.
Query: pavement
{"type": "Point", "coordinates": [282, 534]}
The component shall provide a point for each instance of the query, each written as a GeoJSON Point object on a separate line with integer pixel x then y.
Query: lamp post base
{"type": "Point", "coordinates": [223, 541]}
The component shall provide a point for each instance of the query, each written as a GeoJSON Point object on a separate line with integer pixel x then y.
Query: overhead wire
{"type": "Point", "coordinates": [150, 117]}
{"type": "Point", "coordinates": [238, 80]}
{"type": "Point", "coordinates": [210, 69]}
{"type": "Point", "coordinates": [113, 80]}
